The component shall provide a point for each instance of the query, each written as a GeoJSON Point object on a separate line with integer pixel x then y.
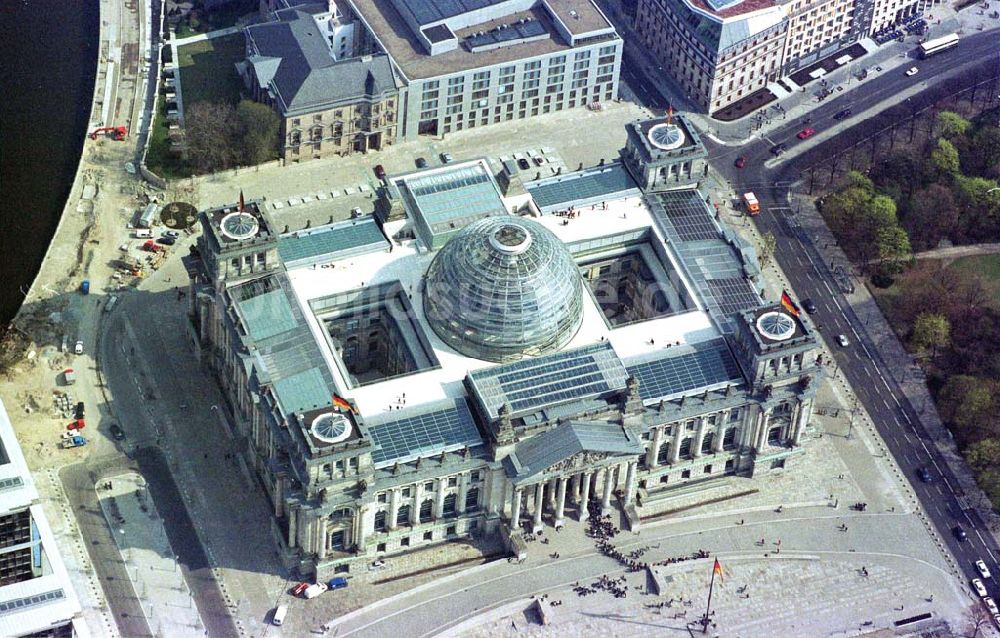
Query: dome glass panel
{"type": "Point", "coordinates": [502, 289]}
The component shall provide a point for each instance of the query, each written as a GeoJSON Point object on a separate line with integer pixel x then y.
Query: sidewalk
{"type": "Point", "coordinates": [150, 561]}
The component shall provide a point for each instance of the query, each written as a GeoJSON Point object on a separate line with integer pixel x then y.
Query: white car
{"type": "Point", "coordinates": [313, 591]}
{"type": "Point", "coordinates": [984, 571]}
{"type": "Point", "coordinates": [78, 349]}
{"type": "Point", "coordinates": [910, 72]}
{"type": "Point", "coordinates": [842, 340]}
{"type": "Point", "coordinates": [979, 587]}
{"type": "Point", "coordinates": [992, 606]}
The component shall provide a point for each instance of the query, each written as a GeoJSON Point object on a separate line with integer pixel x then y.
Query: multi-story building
{"type": "Point", "coordinates": [721, 51]}
{"type": "Point", "coordinates": [452, 368]}
{"type": "Point", "coordinates": [331, 100]}
{"type": "Point", "coordinates": [459, 66]}
{"type": "Point", "coordinates": [36, 597]}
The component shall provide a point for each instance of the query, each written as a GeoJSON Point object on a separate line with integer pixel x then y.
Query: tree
{"type": "Point", "coordinates": [259, 128]}
{"type": "Point", "coordinates": [930, 331]}
{"type": "Point", "coordinates": [945, 157]}
{"type": "Point", "coordinates": [892, 245]}
{"type": "Point", "coordinates": [952, 125]}
{"type": "Point", "coordinates": [768, 243]}
{"type": "Point", "coordinates": [984, 459]}
{"type": "Point", "coordinates": [982, 159]}
{"type": "Point", "coordinates": [967, 403]}
{"type": "Point", "coordinates": [854, 179]}
{"type": "Point", "coordinates": [210, 134]}
{"type": "Point", "coordinates": [931, 216]}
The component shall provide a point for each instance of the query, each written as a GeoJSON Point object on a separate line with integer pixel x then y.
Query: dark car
{"type": "Point", "coordinates": [117, 433]}
{"type": "Point", "coordinates": [840, 115]}
{"type": "Point", "coordinates": [421, 162]}
{"type": "Point", "coordinates": [960, 533]}
{"type": "Point", "coordinates": [925, 475]}
{"type": "Point", "coordinates": [778, 149]}
{"type": "Point", "coordinates": [78, 411]}
{"type": "Point", "coordinates": [537, 160]}
{"type": "Point", "coordinates": [523, 164]}
{"type": "Point", "coordinates": [446, 158]}
{"type": "Point", "coordinates": [379, 171]}
{"type": "Point", "coordinates": [809, 305]}
{"type": "Point", "coordinates": [167, 241]}
{"type": "Point", "coordinates": [740, 162]}
{"type": "Point", "coordinates": [338, 582]}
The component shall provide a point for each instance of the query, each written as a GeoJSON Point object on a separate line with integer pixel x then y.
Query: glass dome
{"type": "Point", "coordinates": [502, 289]}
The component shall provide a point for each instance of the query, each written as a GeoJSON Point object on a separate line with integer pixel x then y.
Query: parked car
{"type": "Point", "coordinates": [538, 160]}
{"type": "Point", "coordinates": [910, 72]}
{"type": "Point", "coordinates": [842, 340]}
{"type": "Point", "coordinates": [446, 158]}
{"type": "Point", "coordinates": [167, 241]}
{"type": "Point", "coordinates": [117, 433]}
{"type": "Point", "coordinates": [172, 233]}
{"type": "Point", "coordinates": [843, 114]}
{"type": "Point", "coordinates": [379, 171]}
{"type": "Point", "coordinates": [299, 589]}
{"type": "Point", "coordinates": [313, 591]}
{"type": "Point", "coordinates": [925, 475]}
{"type": "Point", "coordinates": [980, 588]}
{"type": "Point", "coordinates": [740, 162]}
{"type": "Point", "coordinates": [338, 582]}
{"type": "Point", "coordinates": [523, 164]}
{"type": "Point", "coordinates": [984, 571]}
{"type": "Point", "coordinates": [809, 305]}
{"type": "Point", "coordinates": [778, 149]}
{"type": "Point", "coordinates": [806, 133]}
{"type": "Point", "coordinates": [78, 410]}
{"type": "Point", "coordinates": [421, 162]}
{"type": "Point", "coordinates": [992, 606]}
{"type": "Point", "coordinates": [78, 348]}
{"type": "Point", "coordinates": [959, 533]}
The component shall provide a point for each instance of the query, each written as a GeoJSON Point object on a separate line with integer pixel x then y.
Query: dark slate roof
{"type": "Point", "coordinates": [537, 454]}
{"type": "Point", "coordinates": [306, 77]}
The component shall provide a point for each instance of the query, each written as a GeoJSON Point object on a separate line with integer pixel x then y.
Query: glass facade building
{"type": "Point", "coordinates": [502, 289]}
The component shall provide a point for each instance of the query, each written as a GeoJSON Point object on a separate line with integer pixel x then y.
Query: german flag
{"type": "Point", "coordinates": [717, 570]}
{"type": "Point", "coordinates": [788, 304]}
{"type": "Point", "coordinates": [341, 403]}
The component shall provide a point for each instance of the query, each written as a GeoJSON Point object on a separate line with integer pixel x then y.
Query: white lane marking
{"type": "Point", "coordinates": [906, 417]}
{"type": "Point", "coordinates": [980, 535]}
{"type": "Point", "coordinates": [884, 401]}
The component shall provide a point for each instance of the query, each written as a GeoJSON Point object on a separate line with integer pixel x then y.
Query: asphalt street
{"type": "Point", "coordinates": [873, 380]}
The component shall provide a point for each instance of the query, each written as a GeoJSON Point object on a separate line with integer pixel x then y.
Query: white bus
{"type": "Point", "coordinates": [937, 45]}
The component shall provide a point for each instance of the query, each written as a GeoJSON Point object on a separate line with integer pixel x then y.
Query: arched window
{"type": "Point", "coordinates": [686, 447]}
{"type": "Point", "coordinates": [472, 500]}
{"type": "Point", "coordinates": [450, 502]}
{"type": "Point", "coordinates": [426, 511]}
{"type": "Point", "coordinates": [403, 515]}
{"type": "Point", "coordinates": [380, 520]}
{"type": "Point", "coordinates": [664, 454]}
{"type": "Point", "coordinates": [706, 443]}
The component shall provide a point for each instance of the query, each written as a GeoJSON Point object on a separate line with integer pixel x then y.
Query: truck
{"type": "Point", "coordinates": [73, 441]}
{"type": "Point", "coordinates": [751, 203]}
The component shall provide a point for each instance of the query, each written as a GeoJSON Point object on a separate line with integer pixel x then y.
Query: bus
{"type": "Point", "coordinates": [937, 45]}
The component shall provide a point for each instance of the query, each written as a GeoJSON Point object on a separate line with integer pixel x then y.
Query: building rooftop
{"type": "Point", "coordinates": [675, 371]}
{"type": "Point", "coordinates": [413, 60]}
{"type": "Point", "coordinates": [425, 430]}
{"type": "Point", "coordinates": [581, 188]}
{"type": "Point", "coordinates": [331, 242]}
{"type": "Point", "coordinates": [537, 454]}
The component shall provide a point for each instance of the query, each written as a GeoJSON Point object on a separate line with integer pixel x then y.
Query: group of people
{"type": "Point", "coordinates": [617, 587]}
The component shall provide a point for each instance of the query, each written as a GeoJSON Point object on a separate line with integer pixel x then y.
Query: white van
{"type": "Point", "coordinates": [279, 615]}
{"type": "Point", "coordinates": [143, 232]}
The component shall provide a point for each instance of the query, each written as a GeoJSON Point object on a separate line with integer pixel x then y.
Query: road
{"type": "Point", "coordinates": [897, 421]}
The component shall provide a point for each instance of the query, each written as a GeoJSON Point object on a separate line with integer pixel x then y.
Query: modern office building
{"type": "Point", "coordinates": [458, 64]}
{"type": "Point", "coordinates": [36, 597]}
{"type": "Point", "coordinates": [721, 51]}
{"type": "Point", "coordinates": [452, 368]}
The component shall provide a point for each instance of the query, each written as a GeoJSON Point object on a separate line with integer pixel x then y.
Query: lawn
{"type": "Point", "coordinates": [987, 267]}
{"type": "Point", "coordinates": [160, 159]}
{"type": "Point", "coordinates": [207, 72]}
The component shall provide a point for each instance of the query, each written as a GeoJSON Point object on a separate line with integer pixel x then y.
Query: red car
{"type": "Point", "coordinates": [806, 132]}
{"type": "Point", "coordinates": [298, 589]}
{"type": "Point", "coordinates": [741, 161]}
{"type": "Point", "coordinates": [76, 425]}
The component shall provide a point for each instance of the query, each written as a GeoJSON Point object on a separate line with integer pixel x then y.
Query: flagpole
{"type": "Point", "coordinates": [708, 609]}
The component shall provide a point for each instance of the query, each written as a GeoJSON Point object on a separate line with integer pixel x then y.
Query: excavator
{"type": "Point", "coordinates": [117, 133]}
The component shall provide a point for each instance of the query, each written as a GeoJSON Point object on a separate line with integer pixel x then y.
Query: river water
{"type": "Point", "coordinates": [48, 61]}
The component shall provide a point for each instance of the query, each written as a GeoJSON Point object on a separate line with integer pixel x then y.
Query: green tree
{"type": "Point", "coordinates": [967, 403]}
{"type": "Point", "coordinates": [931, 215]}
{"type": "Point", "coordinates": [945, 157]}
{"type": "Point", "coordinates": [982, 159]}
{"type": "Point", "coordinates": [854, 179]}
{"type": "Point", "coordinates": [259, 128]}
{"type": "Point", "coordinates": [984, 459]}
{"type": "Point", "coordinates": [931, 331]}
{"type": "Point", "coordinates": [892, 244]}
{"type": "Point", "coordinates": [952, 125]}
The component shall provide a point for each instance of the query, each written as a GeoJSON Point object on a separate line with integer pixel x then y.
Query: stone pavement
{"type": "Point", "coordinates": [151, 562]}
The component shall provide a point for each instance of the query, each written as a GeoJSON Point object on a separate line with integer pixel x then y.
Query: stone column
{"type": "Point", "coordinates": [393, 508]}
{"type": "Point", "coordinates": [550, 493]}
{"type": "Point", "coordinates": [561, 502]}
{"type": "Point", "coordinates": [439, 499]}
{"type": "Point", "coordinates": [653, 453]}
{"type": "Point", "coordinates": [805, 410]}
{"type": "Point", "coordinates": [630, 483]}
{"type": "Point", "coordinates": [699, 439]}
{"type": "Point", "coordinates": [293, 527]}
{"type": "Point", "coordinates": [584, 495]}
{"type": "Point", "coordinates": [609, 478]}
{"type": "Point", "coordinates": [418, 491]}
{"type": "Point", "coordinates": [720, 433]}
{"type": "Point", "coordinates": [574, 488]}
{"type": "Point", "coordinates": [321, 537]}
{"type": "Point", "coordinates": [515, 509]}
{"type": "Point", "coordinates": [765, 419]}
{"type": "Point", "coordinates": [675, 451]}
{"type": "Point", "coordinates": [360, 528]}
{"type": "Point", "coordinates": [463, 490]}
{"type": "Point", "coordinates": [536, 523]}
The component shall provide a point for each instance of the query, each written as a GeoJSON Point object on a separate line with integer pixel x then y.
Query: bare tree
{"type": "Point", "coordinates": [211, 133]}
